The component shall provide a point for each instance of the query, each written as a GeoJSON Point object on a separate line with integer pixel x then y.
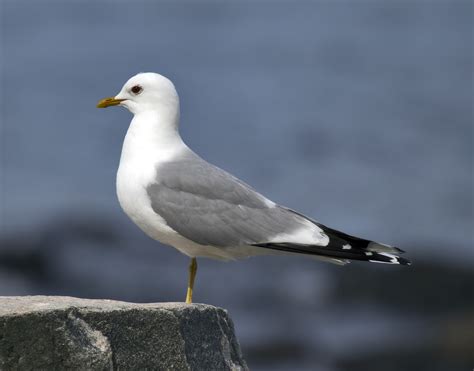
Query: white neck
{"type": "Point", "coordinates": [152, 137]}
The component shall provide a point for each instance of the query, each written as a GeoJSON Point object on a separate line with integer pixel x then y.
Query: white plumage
{"type": "Point", "coordinates": [177, 198]}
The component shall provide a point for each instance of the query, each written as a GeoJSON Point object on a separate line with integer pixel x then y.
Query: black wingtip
{"type": "Point", "coordinates": [400, 251]}
{"type": "Point", "coordinates": [403, 261]}
{"type": "Point", "coordinates": [388, 259]}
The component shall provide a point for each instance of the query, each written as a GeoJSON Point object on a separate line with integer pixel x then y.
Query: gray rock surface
{"type": "Point", "coordinates": [64, 333]}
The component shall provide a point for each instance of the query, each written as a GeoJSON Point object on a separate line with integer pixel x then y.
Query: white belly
{"type": "Point", "coordinates": [134, 201]}
{"type": "Point", "coordinates": [142, 153]}
{"type": "Point", "coordinates": [133, 198]}
{"type": "Point", "coordinates": [132, 182]}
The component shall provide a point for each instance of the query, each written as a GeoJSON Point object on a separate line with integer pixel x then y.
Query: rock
{"type": "Point", "coordinates": [64, 333]}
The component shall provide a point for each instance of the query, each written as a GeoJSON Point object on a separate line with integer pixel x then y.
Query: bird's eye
{"type": "Point", "coordinates": [137, 89]}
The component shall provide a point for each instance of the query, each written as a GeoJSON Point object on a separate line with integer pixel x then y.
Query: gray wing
{"type": "Point", "coordinates": [209, 206]}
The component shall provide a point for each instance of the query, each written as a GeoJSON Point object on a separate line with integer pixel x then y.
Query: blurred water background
{"type": "Point", "coordinates": [357, 113]}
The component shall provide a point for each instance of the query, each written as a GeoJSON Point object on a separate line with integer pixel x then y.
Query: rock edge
{"type": "Point", "coordinates": [58, 333]}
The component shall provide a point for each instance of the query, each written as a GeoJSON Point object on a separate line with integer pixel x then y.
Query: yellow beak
{"type": "Point", "coordinates": [108, 102]}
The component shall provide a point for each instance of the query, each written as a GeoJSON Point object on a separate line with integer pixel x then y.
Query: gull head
{"type": "Point", "coordinates": [145, 92]}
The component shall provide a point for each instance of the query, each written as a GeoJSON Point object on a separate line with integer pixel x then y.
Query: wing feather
{"type": "Point", "coordinates": [211, 207]}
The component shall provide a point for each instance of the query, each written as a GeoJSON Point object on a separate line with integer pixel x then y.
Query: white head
{"type": "Point", "coordinates": [146, 92]}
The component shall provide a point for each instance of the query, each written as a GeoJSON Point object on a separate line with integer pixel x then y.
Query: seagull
{"type": "Point", "coordinates": [179, 199]}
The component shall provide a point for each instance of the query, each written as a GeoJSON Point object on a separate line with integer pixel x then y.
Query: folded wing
{"type": "Point", "coordinates": [209, 206]}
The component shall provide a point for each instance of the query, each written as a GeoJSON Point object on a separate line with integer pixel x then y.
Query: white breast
{"type": "Point", "coordinates": [132, 179]}
{"type": "Point", "coordinates": [142, 153]}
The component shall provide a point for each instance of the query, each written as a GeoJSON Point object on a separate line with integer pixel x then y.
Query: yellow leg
{"type": "Point", "coordinates": [192, 275]}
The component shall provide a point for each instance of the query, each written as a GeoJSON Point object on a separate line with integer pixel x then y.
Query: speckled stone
{"type": "Point", "coordinates": [65, 333]}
